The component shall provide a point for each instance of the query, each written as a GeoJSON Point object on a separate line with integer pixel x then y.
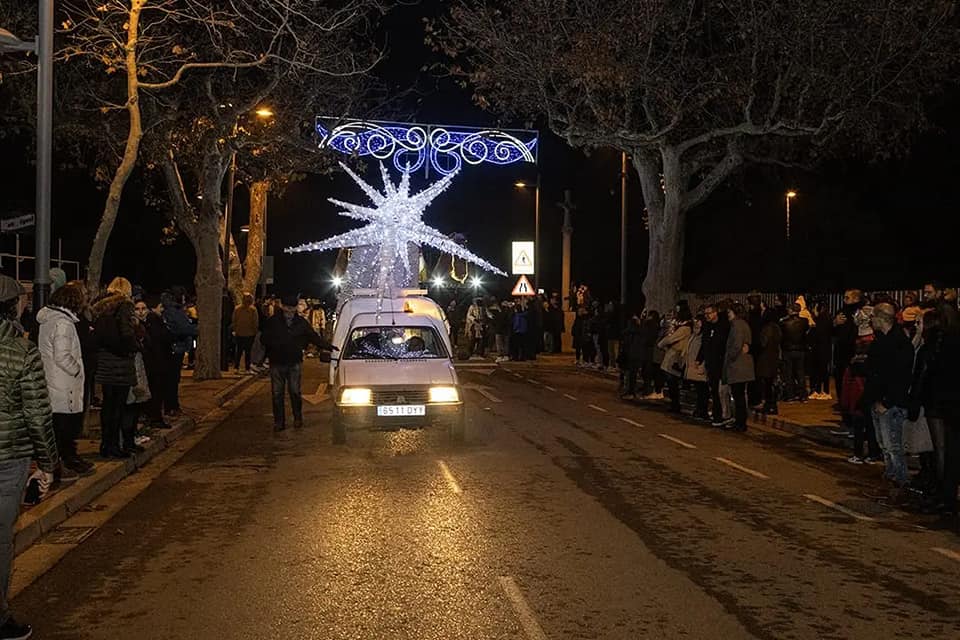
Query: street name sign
{"type": "Point", "coordinates": [523, 259]}
{"type": "Point", "coordinates": [8, 225]}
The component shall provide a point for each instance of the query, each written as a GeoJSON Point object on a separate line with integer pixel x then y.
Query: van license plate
{"type": "Point", "coordinates": [401, 410]}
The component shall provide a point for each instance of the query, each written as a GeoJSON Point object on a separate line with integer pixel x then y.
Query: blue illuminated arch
{"type": "Point", "coordinates": [414, 146]}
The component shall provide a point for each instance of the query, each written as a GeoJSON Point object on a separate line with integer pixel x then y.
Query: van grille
{"type": "Point", "coordinates": [400, 396]}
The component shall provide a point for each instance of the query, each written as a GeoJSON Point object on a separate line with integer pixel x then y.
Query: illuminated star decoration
{"type": "Point", "coordinates": [393, 224]}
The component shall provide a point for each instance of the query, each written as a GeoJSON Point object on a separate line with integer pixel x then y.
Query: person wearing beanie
{"type": "Point", "coordinates": [58, 278]}
{"type": "Point", "coordinates": [285, 335]}
{"type": "Point", "coordinates": [26, 432]}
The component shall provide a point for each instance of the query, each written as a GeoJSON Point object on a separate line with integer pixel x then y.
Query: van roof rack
{"type": "Point", "coordinates": [392, 293]}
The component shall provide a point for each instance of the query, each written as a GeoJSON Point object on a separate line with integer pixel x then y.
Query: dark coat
{"type": "Point", "coordinates": [636, 347]}
{"type": "Point", "coordinates": [178, 323]}
{"type": "Point", "coordinates": [156, 356]}
{"type": "Point", "coordinates": [713, 348]}
{"type": "Point", "coordinates": [889, 369]}
{"type": "Point", "coordinates": [821, 337]}
{"type": "Point", "coordinates": [936, 377]}
{"type": "Point", "coordinates": [116, 341]}
{"type": "Point", "coordinates": [768, 350]}
{"type": "Point", "coordinates": [285, 340]}
{"type": "Point", "coordinates": [794, 330]}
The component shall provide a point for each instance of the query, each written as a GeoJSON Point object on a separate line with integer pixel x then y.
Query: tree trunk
{"type": "Point", "coordinates": [235, 278]}
{"type": "Point", "coordinates": [130, 154]}
{"type": "Point", "coordinates": [665, 261]}
{"type": "Point", "coordinates": [257, 237]}
{"type": "Point", "coordinates": [209, 284]}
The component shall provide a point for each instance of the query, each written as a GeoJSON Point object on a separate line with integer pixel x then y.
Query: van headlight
{"type": "Point", "coordinates": [444, 394]}
{"type": "Point", "coordinates": [356, 396]}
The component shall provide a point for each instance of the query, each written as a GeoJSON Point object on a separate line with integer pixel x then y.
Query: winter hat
{"type": "Point", "coordinates": [58, 278]}
{"type": "Point", "coordinates": [10, 289]}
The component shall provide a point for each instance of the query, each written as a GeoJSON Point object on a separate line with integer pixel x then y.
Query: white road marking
{"type": "Point", "coordinates": [678, 441]}
{"type": "Point", "coordinates": [517, 375]}
{"type": "Point", "coordinates": [454, 485]}
{"type": "Point", "coordinates": [731, 463]}
{"type": "Point", "coordinates": [318, 397]}
{"type": "Point", "coordinates": [531, 380]}
{"type": "Point", "coordinates": [953, 555]}
{"type": "Point", "coordinates": [549, 388]}
{"type": "Point", "coordinates": [528, 620]}
{"type": "Point", "coordinates": [839, 507]}
{"type": "Point", "coordinates": [483, 391]}
{"type": "Point", "coordinates": [567, 395]}
{"type": "Point", "coordinates": [636, 424]}
{"type": "Point", "coordinates": [596, 408]}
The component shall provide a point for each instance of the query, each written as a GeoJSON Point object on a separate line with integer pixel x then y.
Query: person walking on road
{"type": "Point", "coordinates": [246, 324]}
{"type": "Point", "coordinates": [738, 367]}
{"type": "Point", "coordinates": [285, 336]}
{"type": "Point", "coordinates": [26, 432]}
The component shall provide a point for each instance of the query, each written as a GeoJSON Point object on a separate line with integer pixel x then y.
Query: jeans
{"type": "Point", "coordinates": [286, 376]}
{"type": "Point", "coordinates": [794, 376]}
{"type": "Point", "coordinates": [244, 346]}
{"type": "Point", "coordinates": [740, 403]}
{"type": "Point", "coordinates": [112, 416]}
{"type": "Point", "coordinates": [890, 434]}
{"type": "Point", "coordinates": [13, 480]}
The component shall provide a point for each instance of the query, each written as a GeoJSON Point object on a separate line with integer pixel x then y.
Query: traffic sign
{"type": "Point", "coordinates": [8, 225]}
{"type": "Point", "coordinates": [523, 287]}
{"type": "Point", "coordinates": [523, 253]}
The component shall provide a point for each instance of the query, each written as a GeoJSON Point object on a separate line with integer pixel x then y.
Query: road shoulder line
{"type": "Point", "coordinates": [528, 620]}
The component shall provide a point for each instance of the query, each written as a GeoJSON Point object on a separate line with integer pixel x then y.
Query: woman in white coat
{"type": "Point", "coordinates": [59, 346]}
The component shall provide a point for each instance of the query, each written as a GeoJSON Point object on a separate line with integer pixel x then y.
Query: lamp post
{"type": "Point", "coordinates": [790, 196]}
{"type": "Point", "coordinates": [536, 232]}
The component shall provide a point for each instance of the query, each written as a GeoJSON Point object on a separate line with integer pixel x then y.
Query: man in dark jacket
{"type": "Point", "coordinates": [285, 335]}
{"type": "Point", "coordinates": [633, 346]}
{"type": "Point", "coordinates": [845, 336]}
{"type": "Point", "coordinates": [713, 350]}
{"type": "Point", "coordinates": [933, 298]}
{"type": "Point", "coordinates": [157, 360]}
{"type": "Point", "coordinates": [794, 346]}
{"type": "Point", "coordinates": [889, 374]}
{"type": "Point", "coordinates": [26, 432]}
{"type": "Point", "coordinates": [183, 331]}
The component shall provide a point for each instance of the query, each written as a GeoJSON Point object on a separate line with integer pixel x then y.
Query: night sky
{"type": "Point", "coordinates": [876, 226]}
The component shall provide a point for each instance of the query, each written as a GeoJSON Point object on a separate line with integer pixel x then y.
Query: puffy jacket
{"type": "Point", "coordinates": [116, 341]}
{"type": "Point", "coordinates": [59, 347]}
{"type": "Point", "coordinates": [794, 333]}
{"type": "Point", "coordinates": [178, 323]}
{"type": "Point", "coordinates": [26, 422]}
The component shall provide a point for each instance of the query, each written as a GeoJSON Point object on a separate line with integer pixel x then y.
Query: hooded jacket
{"type": "Point", "coordinates": [116, 340]}
{"type": "Point", "coordinates": [59, 346]}
{"type": "Point", "coordinates": [26, 422]}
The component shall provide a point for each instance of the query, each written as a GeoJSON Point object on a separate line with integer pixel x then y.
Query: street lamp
{"type": "Point", "coordinates": [536, 233]}
{"type": "Point", "coordinates": [790, 196]}
{"type": "Point", "coordinates": [476, 281]}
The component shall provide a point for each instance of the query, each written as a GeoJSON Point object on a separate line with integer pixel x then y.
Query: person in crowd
{"type": "Point", "coordinates": [652, 356]}
{"type": "Point", "coordinates": [853, 410]}
{"type": "Point", "coordinates": [612, 329]}
{"type": "Point", "coordinates": [455, 317]}
{"type": "Point", "coordinates": [934, 297]}
{"type": "Point", "coordinates": [59, 345]}
{"type": "Point", "coordinates": [909, 316]}
{"type": "Point", "coordinates": [547, 338]}
{"type": "Point", "coordinates": [598, 333]}
{"type": "Point", "coordinates": [475, 326]}
{"type": "Point", "coordinates": [556, 324]}
{"type": "Point", "coordinates": [193, 315]}
{"type": "Point", "coordinates": [139, 396]}
{"type": "Point", "coordinates": [26, 432]}
{"type": "Point", "coordinates": [534, 328]}
{"type": "Point", "coordinates": [889, 374]}
{"type": "Point", "coordinates": [821, 351]}
{"type": "Point", "coordinates": [519, 327]}
{"type": "Point", "coordinates": [794, 348]}
{"type": "Point", "coordinates": [184, 333]}
{"type": "Point", "coordinates": [88, 349]}
{"type": "Point", "coordinates": [631, 353]}
{"type": "Point", "coordinates": [580, 334]}
{"type": "Point", "coordinates": [755, 311]}
{"type": "Point", "coordinates": [921, 401]}
{"type": "Point", "coordinates": [116, 367]}
{"type": "Point", "coordinates": [285, 336]}
{"type": "Point", "coordinates": [157, 361]}
{"type": "Point", "coordinates": [712, 353]}
{"type": "Point", "coordinates": [246, 324]}
{"type": "Point", "coordinates": [738, 368]}
{"type": "Point", "coordinates": [768, 361]}
{"type": "Point", "coordinates": [502, 316]}
{"type": "Point", "coordinates": [944, 400]}
{"type": "Point", "coordinates": [845, 336]}
{"type": "Point", "coordinates": [780, 307]}
{"type": "Point", "coordinates": [674, 362]}
{"type": "Point", "coordinates": [695, 372]}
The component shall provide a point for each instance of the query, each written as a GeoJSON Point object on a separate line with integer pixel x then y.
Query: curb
{"type": "Point", "coordinates": [50, 514]}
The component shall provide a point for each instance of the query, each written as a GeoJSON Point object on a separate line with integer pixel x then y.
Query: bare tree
{"type": "Point", "coordinates": [693, 90]}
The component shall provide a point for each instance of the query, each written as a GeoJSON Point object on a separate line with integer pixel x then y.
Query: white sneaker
{"type": "Point", "coordinates": [855, 460]}
{"type": "Point", "coordinates": [141, 440]}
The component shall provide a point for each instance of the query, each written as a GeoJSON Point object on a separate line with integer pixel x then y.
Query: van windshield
{"type": "Point", "coordinates": [393, 343]}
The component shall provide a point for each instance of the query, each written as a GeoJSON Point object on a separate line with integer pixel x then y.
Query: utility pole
{"type": "Point", "coordinates": [623, 229]}
{"type": "Point", "coordinates": [41, 276]}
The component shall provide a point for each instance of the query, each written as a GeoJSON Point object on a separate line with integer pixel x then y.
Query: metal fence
{"type": "Point", "coordinates": [834, 300]}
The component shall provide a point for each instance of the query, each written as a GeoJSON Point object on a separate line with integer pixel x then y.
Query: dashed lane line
{"type": "Point", "coordinates": [483, 391]}
{"type": "Point", "coordinates": [528, 620]}
{"type": "Point", "coordinates": [677, 440]}
{"type": "Point", "coordinates": [448, 476]}
{"type": "Point", "coordinates": [839, 507]}
{"type": "Point", "coordinates": [953, 555]}
{"type": "Point", "coordinates": [596, 408]}
{"type": "Point", "coordinates": [629, 421]}
{"type": "Point", "coordinates": [740, 467]}
{"type": "Point", "coordinates": [549, 388]}
{"type": "Point", "coordinates": [569, 397]}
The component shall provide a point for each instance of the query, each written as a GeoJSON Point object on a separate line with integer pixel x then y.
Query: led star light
{"type": "Point", "coordinates": [394, 232]}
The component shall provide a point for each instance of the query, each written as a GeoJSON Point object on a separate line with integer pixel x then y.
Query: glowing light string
{"type": "Point", "coordinates": [412, 146]}
{"type": "Point", "coordinates": [394, 232]}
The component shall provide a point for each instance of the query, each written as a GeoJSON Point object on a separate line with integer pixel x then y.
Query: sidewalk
{"type": "Point", "coordinates": [815, 420]}
{"type": "Point", "coordinates": [197, 399]}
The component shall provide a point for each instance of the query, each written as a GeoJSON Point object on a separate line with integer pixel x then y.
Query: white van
{"type": "Point", "coordinates": [394, 367]}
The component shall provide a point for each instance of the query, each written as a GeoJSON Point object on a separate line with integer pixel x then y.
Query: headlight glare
{"type": "Point", "coordinates": [356, 396]}
{"type": "Point", "coordinates": [444, 394]}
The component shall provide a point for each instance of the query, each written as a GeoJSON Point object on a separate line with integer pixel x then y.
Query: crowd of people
{"type": "Point", "coordinates": [516, 329]}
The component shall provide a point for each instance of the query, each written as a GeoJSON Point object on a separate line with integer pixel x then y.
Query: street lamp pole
{"type": "Point", "coordinates": [623, 229]}
{"type": "Point", "coordinates": [536, 238]}
{"type": "Point", "coordinates": [41, 276]}
{"type": "Point", "coordinates": [790, 196]}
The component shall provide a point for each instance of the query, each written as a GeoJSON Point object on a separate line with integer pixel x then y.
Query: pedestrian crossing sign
{"type": "Point", "coordinates": [523, 287]}
{"type": "Point", "coordinates": [523, 258]}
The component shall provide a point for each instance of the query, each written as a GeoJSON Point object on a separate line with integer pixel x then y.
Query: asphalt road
{"type": "Point", "coordinates": [566, 515]}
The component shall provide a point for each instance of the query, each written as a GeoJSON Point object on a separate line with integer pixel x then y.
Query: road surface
{"type": "Point", "coordinates": [567, 514]}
